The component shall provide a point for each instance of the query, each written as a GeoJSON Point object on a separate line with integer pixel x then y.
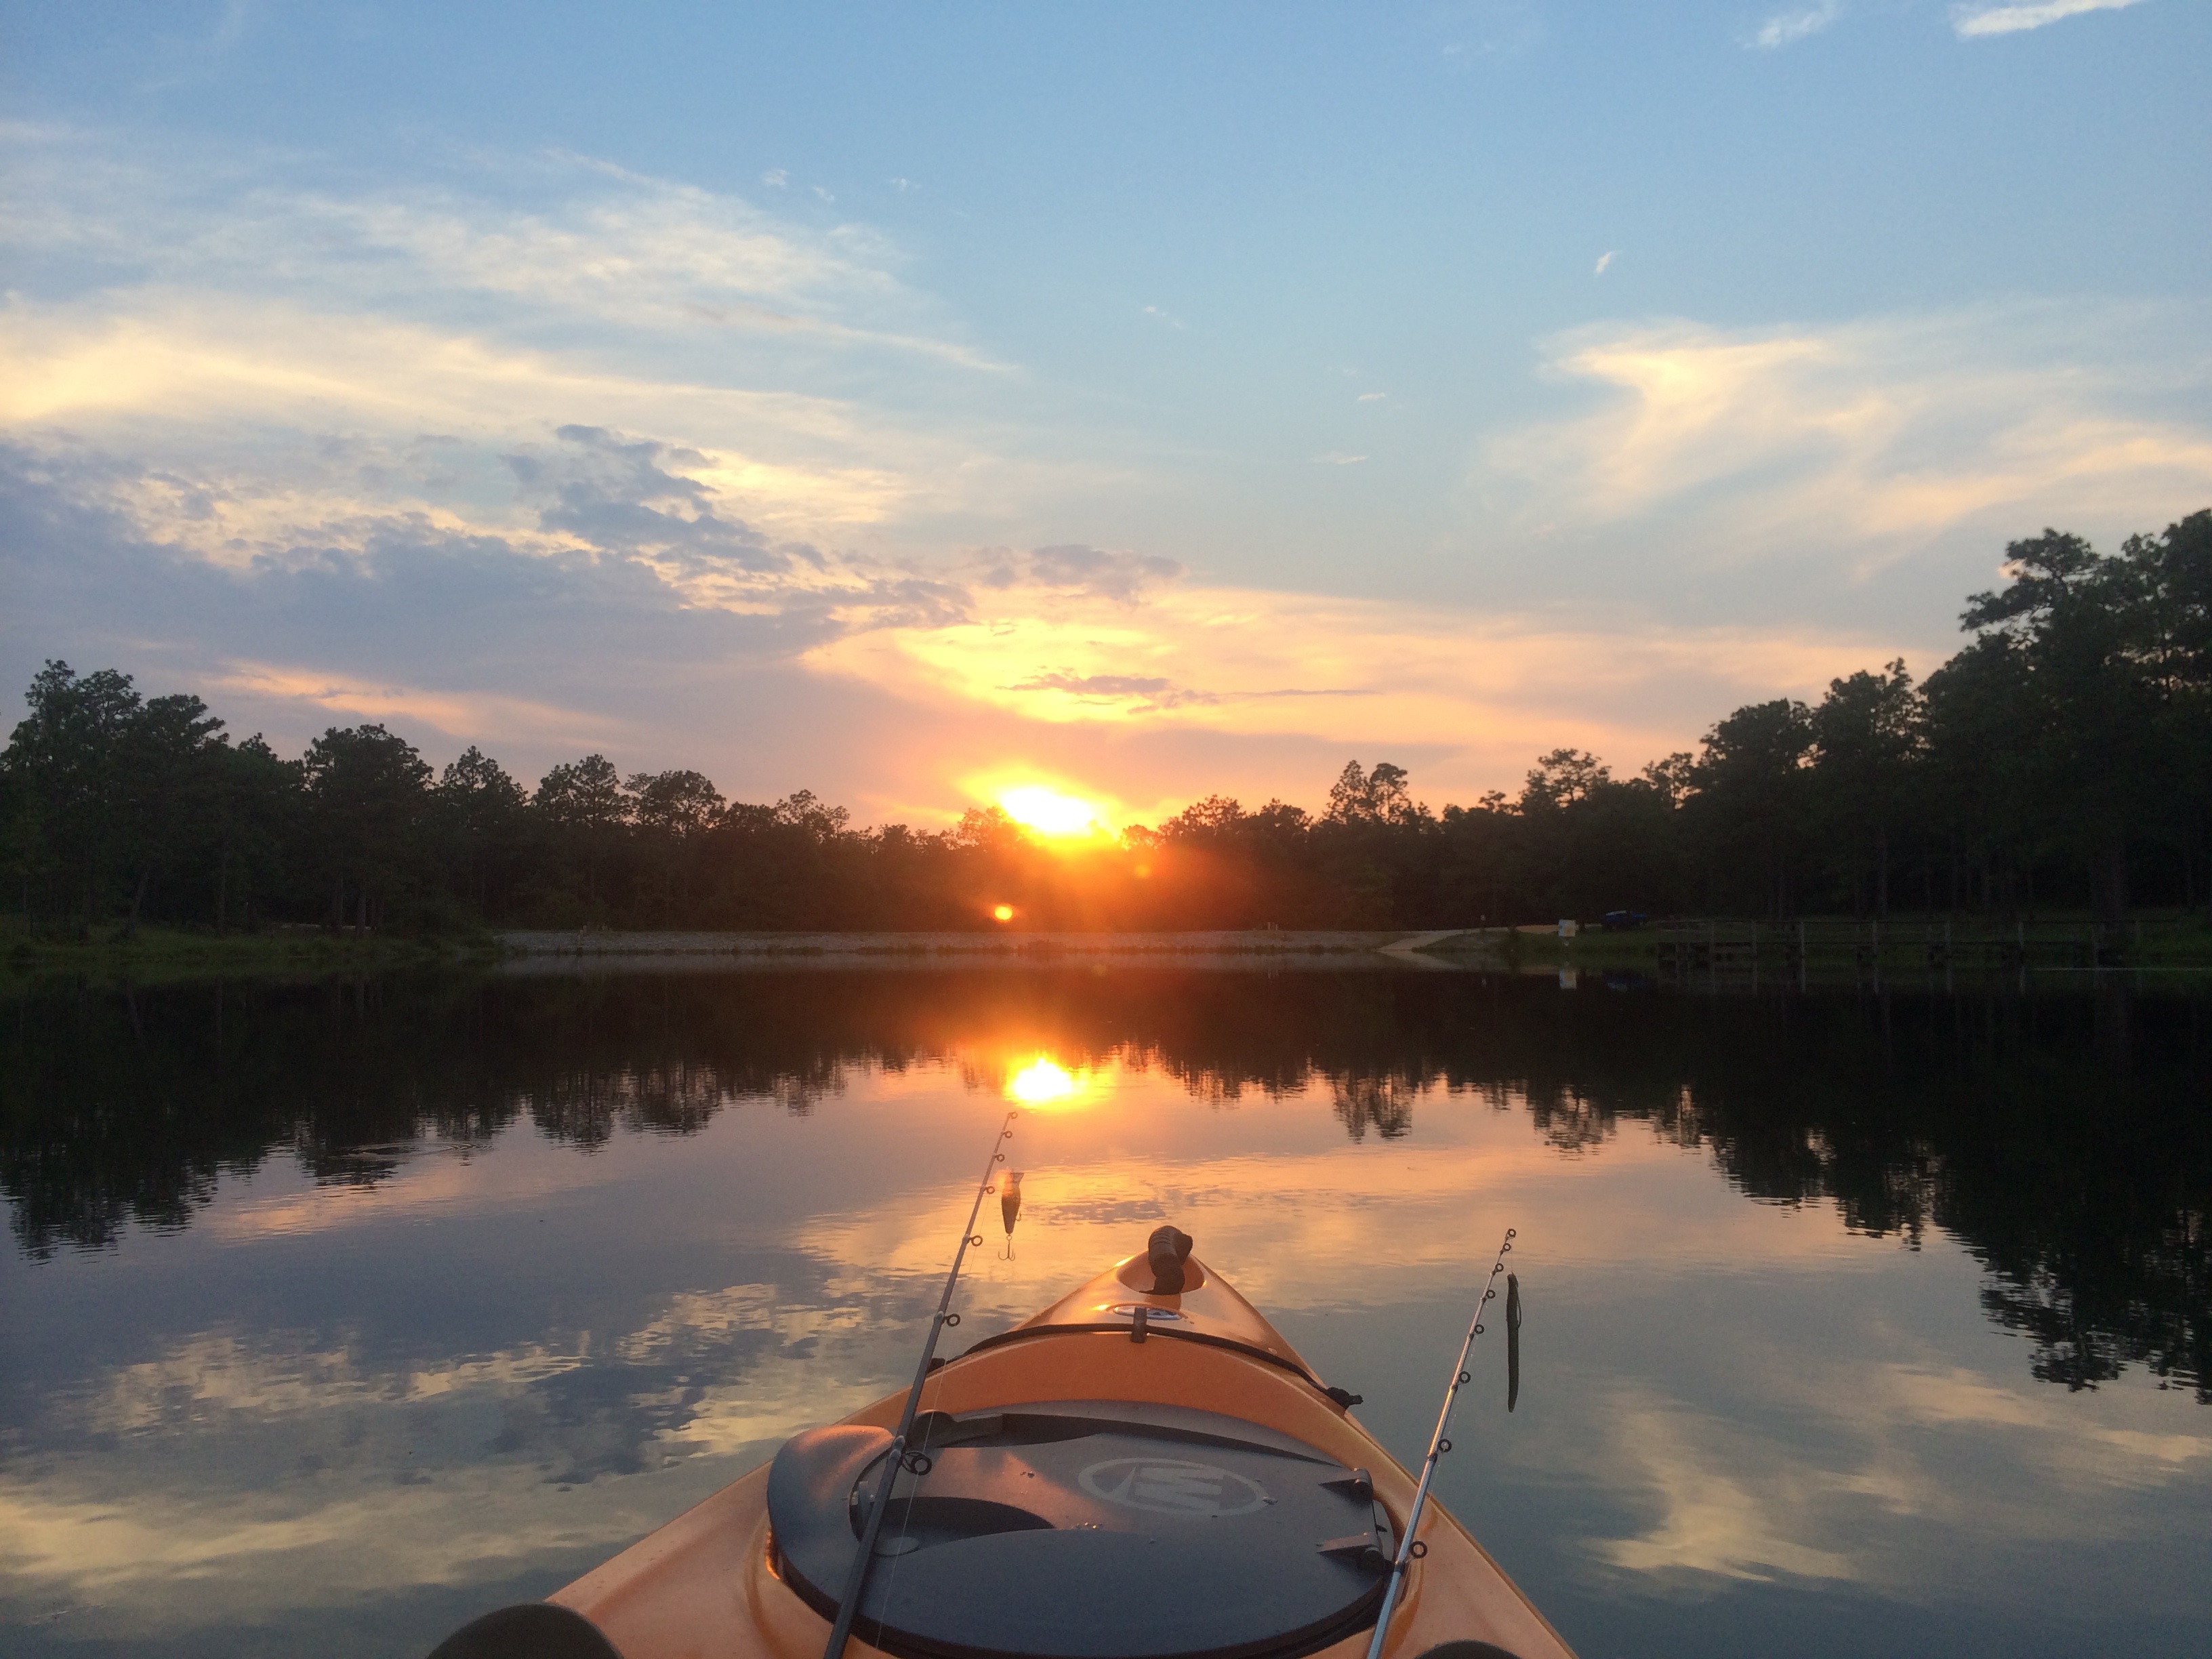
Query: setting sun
{"type": "Point", "coordinates": [1002, 913]}
{"type": "Point", "coordinates": [1049, 813]}
{"type": "Point", "coordinates": [1042, 1084]}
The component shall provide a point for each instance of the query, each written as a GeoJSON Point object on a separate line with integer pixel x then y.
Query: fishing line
{"type": "Point", "coordinates": [849, 1605]}
{"type": "Point", "coordinates": [1410, 1548]}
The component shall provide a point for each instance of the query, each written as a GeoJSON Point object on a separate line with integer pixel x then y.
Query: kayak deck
{"type": "Point", "coordinates": [1190, 1413]}
{"type": "Point", "coordinates": [1022, 1531]}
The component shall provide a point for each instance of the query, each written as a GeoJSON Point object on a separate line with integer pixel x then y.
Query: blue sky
{"type": "Point", "coordinates": [901, 401]}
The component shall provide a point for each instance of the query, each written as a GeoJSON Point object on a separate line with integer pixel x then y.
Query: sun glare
{"type": "Point", "coordinates": [1047, 812]}
{"type": "Point", "coordinates": [1002, 913]}
{"type": "Point", "coordinates": [1043, 1084]}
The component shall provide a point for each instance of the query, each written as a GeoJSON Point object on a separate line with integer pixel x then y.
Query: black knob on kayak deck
{"type": "Point", "coordinates": [1166, 1250]}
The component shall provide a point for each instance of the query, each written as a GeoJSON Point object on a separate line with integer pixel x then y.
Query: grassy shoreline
{"type": "Point", "coordinates": [159, 955]}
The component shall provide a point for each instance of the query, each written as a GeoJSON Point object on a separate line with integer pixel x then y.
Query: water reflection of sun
{"type": "Point", "coordinates": [1046, 1086]}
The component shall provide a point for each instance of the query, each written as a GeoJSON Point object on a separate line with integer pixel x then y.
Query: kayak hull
{"type": "Point", "coordinates": [709, 1585]}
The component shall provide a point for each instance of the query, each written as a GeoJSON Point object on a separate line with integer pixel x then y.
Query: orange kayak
{"type": "Point", "coordinates": [1132, 1473]}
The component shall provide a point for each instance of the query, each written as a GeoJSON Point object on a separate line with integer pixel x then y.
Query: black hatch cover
{"type": "Point", "coordinates": [1085, 1530]}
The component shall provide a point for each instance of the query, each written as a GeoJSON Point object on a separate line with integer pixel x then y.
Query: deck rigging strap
{"type": "Point", "coordinates": [849, 1605]}
{"type": "Point", "coordinates": [1409, 1544]}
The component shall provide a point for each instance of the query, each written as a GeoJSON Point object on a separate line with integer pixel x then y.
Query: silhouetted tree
{"type": "Point", "coordinates": [1750, 803]}
{"type": "Point", "coordinates": [2174, 572]}
{"type": "Point", "coordinates": [1866, 736]}
{"type": "Point", "coordinates": [256, 825]}
{"type": "Point", "coordinates": [2087, 716]}
{"type": "Point", "coordinates": [479, 820]}
{"type": "Point", "coordinates": [66, 757]}
{"type": "Point", "coordinates": [1563, 778]}
{"type": "Point", "coordinates": [367, 797]}
{"type": "Point", "coordinates": [584, 811]}
{"type": "Point", "coordinates": [167, 793]}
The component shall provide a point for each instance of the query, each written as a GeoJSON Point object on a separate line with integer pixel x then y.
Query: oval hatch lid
{"type": "Point", "coordinates": [1085, 1530]}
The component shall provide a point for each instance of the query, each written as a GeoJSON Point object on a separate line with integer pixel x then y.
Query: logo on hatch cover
{"type": "Point", "coordinates": [1168, 1485]}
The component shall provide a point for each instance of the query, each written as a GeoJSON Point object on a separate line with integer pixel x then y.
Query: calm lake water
{"type": "Point", "coordinates": [1857, 1323]}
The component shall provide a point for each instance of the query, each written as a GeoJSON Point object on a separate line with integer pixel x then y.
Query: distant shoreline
{"type": "Point", "coordinates": [1681, 949]}
{"type": "Point", "coordinates": [537, 953]}
{"type": "Point", "coordinates": [539, 942]}
{"type": "Point", "coordinates": [159, 954]}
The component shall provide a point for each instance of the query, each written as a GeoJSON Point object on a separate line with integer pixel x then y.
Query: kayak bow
{"type": "Point", "coordinates": [1145, 1469]}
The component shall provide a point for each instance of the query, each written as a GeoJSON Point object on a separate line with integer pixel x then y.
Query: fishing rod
{"type": "Point", "coordinates": [1410, 1548]}
{"type": "Point", "coordinates": [849, 1605]}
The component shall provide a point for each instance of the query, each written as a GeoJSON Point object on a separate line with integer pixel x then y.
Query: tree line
{"type": "Point", "coordinates": [2062, 758]}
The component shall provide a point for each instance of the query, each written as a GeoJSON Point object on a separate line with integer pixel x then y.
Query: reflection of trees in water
{"type": "Point", "coordinates": [1384, 1105]}
{"type": "Point", "coordinates": [130, 1108]}
{"type": "Point", "coordinates": [2041, 1307]}
{"type": "Point", "coordinates": [585, 1107]}
{"type": "Point", "coordinates": [2063, 1140]}
{"type": "Point", "coordinates": [1569, 1119]}
{"type": "Point", "coordinates": [1215, 1089]}
{"type": "Point", "coordinates": [2087, 1325]}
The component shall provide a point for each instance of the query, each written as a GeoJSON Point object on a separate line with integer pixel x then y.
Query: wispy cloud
{"type": "Point", "coordinates": [1786, 27]}
{"type": "Point", "coordinates": [1112, 695]}
{"type": "Point", "coordinates": [1072, 570]}
{"type": "Point", "coordinates": [460, 715]}
{"type": "Point", "coordinates": [1141, 692]}
{"type": "Point", "coordinates": [1873, 436]}
{"type": "Point", "coordinates": [598, 244]}
{"type": "Point", "coordinates": [1970, 21]}
{"type": "Point", "coordinates": [1604, 262]}
{"type": "Point", "coordinates": [1472, 688]}
{"type": "Point", "coordinates": [190, 377]}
